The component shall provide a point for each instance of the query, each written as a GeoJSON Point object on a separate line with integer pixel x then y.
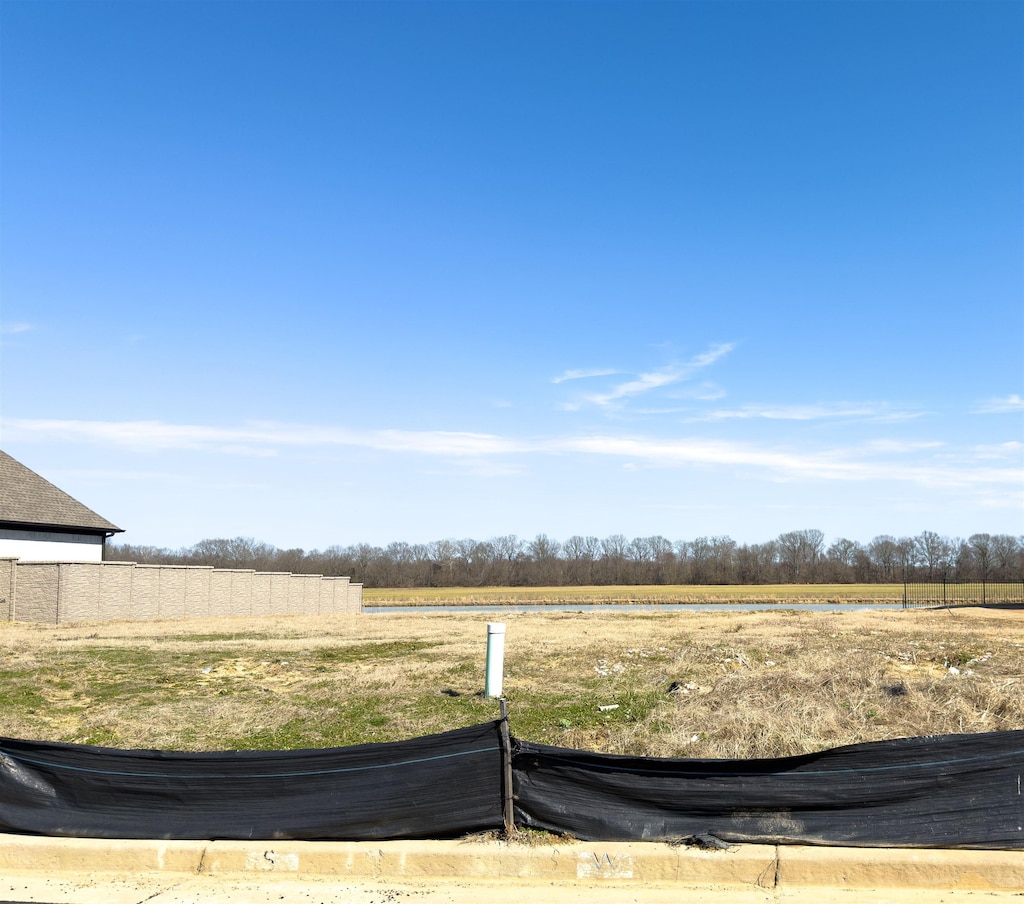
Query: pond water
{"type": "Point", "coordinates": [641, 607]}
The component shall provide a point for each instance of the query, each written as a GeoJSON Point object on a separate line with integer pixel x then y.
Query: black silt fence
{"type": "Point", "coordinates": [438, 786]}
{"type": "Point", "coordinates": [948, 791]}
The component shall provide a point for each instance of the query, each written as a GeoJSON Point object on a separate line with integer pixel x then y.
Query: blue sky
{"type": "Point", "coordinates": [326, 273]}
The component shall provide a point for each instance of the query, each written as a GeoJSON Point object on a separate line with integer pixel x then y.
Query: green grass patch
{"type": "Point", "coordinates": [371, 651]}
{"type": "Point", "coordinates": [545, 717]}
{"type": "Point", "coordinates": [447, 709]}
{"type": "Point", "coordinates": [19, 689]}
{"type": "Point", "coordinates": [370, 718]}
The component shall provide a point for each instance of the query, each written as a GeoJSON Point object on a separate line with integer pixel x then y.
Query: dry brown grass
{"type": "Point", "coordinates": [753, 684]}
{"type": "Point", "coordinates": [607, 594]}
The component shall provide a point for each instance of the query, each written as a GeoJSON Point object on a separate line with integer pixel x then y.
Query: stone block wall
{"type": "Point", "coordinates": [62, 592]}
{"type": "Point", "coordinates": [7, 587]}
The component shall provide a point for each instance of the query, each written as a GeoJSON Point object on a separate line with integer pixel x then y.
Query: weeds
{"type": "Point", "coordinates": [759, 684]}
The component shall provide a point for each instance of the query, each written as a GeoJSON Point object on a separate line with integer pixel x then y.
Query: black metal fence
{"type": "Point", "coordinates": [936, 594]}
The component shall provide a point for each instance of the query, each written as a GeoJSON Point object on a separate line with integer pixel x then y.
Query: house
{"type": "Point", "coordinates": [40, 522]}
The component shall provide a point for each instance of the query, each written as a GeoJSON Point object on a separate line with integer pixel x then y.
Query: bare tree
{"type": "Point", "coordinates": [613, 559]}
{"type": "Point", "coordinates": [508, 559]}
{"type": "Point", "coordinates": [963, 559]}
{"type": "Point", "coordinates": [640, 558]}
{"type": "Point", "coordinates": [934, 553]}
{"type": "Point", "coordinates": [723, 558]}
{"type": "Point", "coordinates": [884, 553]}
{"type": "Point", "coordinates": [684, 562]}
{"type": "Point", "coordinates": [580, 554]}
{"type": "Point", "coordinates": [842, 559]}
{"type": "Point", "coordinates": [444, 555]}
{"type": "Point", "coordinates": [663, 559]}
{"type": "Point", "coordinates": [238, 552]}
{"type": "Point", "coordinates": [1007, 557]}
{"type": "Point", "coordinates": [799, 552]}
{"type": "Point", "coordinates": [982, 554]}
{"type": "Point", "coordinates": [793, 556]}
{"type": "Point", "coordinates": [544, 553]}
{"type": "Point", "coordinates": [754, 563]}
{"type": "Point", "coordinates": [700, 560]}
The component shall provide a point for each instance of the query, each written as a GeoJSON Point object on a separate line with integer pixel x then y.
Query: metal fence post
{"type": "Point", "coordinates": [506, 752]}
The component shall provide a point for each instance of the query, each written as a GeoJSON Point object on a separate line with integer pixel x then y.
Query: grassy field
{"type": "Point", "coordinates": [681, 683]}
{"type": "Point", "coordinates": [653, 593]}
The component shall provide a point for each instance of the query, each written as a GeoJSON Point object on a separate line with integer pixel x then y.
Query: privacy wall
{"type": "Point", "coordinates": [61, 592]}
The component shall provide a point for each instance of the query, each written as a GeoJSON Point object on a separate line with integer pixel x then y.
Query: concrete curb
{"type": "Point", "coordinates": [764, 866]}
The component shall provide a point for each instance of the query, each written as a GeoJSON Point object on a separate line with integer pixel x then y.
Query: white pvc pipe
{"type": "Point", "coordinates": [495, 659]}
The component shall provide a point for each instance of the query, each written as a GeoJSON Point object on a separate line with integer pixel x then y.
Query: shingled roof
{"type": "Point", "coordinates": [29, 501]}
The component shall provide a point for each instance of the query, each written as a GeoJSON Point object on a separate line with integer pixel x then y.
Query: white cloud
{"type": "Point", "coordinates": [11, 329]}
{"type": "Point", "coordinates": [716, 351]}
{"type": "Point", "coordinates": [1011, 449]}
{"type": "Point", "coordinates": [643, 383]}
{"type": "Point", "coordinates": [784, 464]}
{"type": "Point", "coordinates": [844, 410]}
{"type": "Point", "coordinates": [899, 446]}
{"type": "Point", "coordinates": [435, 442]}
{"type": "Point", "coordinates": [916, 462]}
{"type": "Point", "coordinates": [667, 376]}
{"type": "Point", "coordinates": [583, 375]}
{"type": "Point", "coordinates": [254, 438]}
{"type": "Point", "coordinates": [1012, 404]}
{"type": "Point", "coordinates": [703, 392]}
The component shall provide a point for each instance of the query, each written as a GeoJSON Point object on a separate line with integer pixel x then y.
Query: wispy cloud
{"type": "Point", "coordinates": [874, 411]}
{"type": "Point", "coordinates": [12, 329]}
{"type": "Point", "coordinates": [658, 379]}
{"type": "Point", "coordinates": [583, 374]}
{"type": "Point", "coordinates": [111, 475]}
{"type": "Point", "coordinates": [436, 442]}
{"type": "Point", "coordinates": [900, 446]}
{"type": "Point", "coordinates": [1012, 404]}
{"type": "Point", "coordinates": [705, 391]}
{"type": "Point", "coordinates": [786, 464]}
{"type": "Point", "coordinates": [919, 462]}
{"type": "Point", "coordinates": [642, 383]}
{"type": "Point", "coordinates": [255, 438]}
{"type": "Point", "coordinates": [1012, 449]}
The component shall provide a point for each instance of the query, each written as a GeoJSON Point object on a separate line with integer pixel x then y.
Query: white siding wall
{"type": "Point", "coordinates": [45, 546]}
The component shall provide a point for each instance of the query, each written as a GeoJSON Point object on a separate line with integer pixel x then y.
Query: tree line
{"type": "Point", "coordinates": [794, 557]}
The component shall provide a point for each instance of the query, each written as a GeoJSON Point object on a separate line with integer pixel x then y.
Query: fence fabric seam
{"type": "Point", "coordinates": [790, 773]}
{"type": "Point", "coordinates": [230, 775]}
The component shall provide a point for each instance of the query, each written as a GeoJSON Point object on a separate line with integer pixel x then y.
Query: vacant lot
{"type": "Point", "coordinates": [670, 684]}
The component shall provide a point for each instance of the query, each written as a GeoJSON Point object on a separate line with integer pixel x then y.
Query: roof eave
{"type": "Point", "coordinates": [62, 528]}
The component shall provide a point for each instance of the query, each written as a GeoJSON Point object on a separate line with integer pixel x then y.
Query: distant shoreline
{"type": "Point", "coordinates": [624, 602]}
{"type": "Point", "coordinates": [615, 595]}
